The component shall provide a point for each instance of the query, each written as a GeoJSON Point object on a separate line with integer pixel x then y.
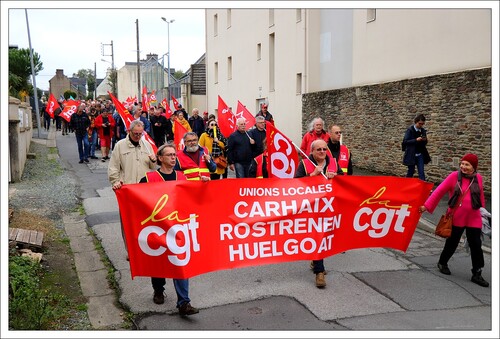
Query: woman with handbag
{"type": "Point", "coordinates": [216, 143]}
{"type": "Point", "coordinates": [465, 189]}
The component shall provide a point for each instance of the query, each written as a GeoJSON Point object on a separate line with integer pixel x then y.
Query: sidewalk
{"type": "Point", "coordinates": [368, 289]}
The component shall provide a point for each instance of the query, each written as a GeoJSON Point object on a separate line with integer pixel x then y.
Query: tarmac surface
{"type": "Point", "coordinates": [373, 289]}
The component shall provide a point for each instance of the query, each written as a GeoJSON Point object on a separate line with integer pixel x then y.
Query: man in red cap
{"type": "Point", "coordinates": [265, 113]}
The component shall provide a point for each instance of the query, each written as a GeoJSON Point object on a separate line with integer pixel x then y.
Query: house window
{"type": "Point", "coordinates": [298, 84]}
{"type": "Point", "coordinates": [229, 68]}
{"type": "Point", "coordinates": [216, 72]}
{"type": "Point", "coordinates": [298, 14]}
{"type": "Point", "coordinates": [216, 21]}
{"type": "Point", "coordinates": [271, 62]}
{"type": "Point", "coordinates": [228, 18]}
{"type": "Point", "coordinates": [271, 17]}
{"type": "Point", "coordinates": [371, 15]}
{"type": "Point", "coordinates": [259, 51]}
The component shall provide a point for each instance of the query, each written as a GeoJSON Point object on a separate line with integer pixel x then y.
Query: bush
{"type": "Point", "coordinates": [30, 307]}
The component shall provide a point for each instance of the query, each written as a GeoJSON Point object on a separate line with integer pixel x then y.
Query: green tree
{"type": "Point", "coordinates": [20, 72]}
{"type": "Point", "coordinates": [67, 94]}
{"type": "Point", "coordinates": [113, 81]}
{"type": "Point", "coordinates": [87, 74]}
{"type": "Point", "coordinates": [178, 74]}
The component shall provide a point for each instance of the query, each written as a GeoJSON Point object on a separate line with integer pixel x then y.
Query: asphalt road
{"type": "Point", "coordinates": [374, 289]}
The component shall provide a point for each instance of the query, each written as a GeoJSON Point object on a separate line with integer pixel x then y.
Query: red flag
{"type": "Point", "coordinates": [145, 103]}
{"type": "Point", "coordinates": [70, 107]}
{"type": "Point", "coordinates": [179, 132]}
{"type": "Point", "coordinates": [152, 99]}
{"type": "Point", "coordinates": [176, 103]}
{"type": "Point", "coordinates": [169, 112]}
{"type": "Point", "coordinates": [124, 113]}
{"type": "Point", "coordinates": [283, 159]}
{"type": "Point", "coordinates": [226, 118]}
{"type": "Point", "coordinates": [52, 105]}
{"type": "Point", "coordinates": [147, 138]}
{"type": "Point", "coordinates": [243, 112]}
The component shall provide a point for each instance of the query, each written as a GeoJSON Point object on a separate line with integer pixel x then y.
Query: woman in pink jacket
{"type": "Point", "coordinates": [465, 188]}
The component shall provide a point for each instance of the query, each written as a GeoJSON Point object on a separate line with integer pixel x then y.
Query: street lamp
{"type": "Point", "coordinates": [168, 54]}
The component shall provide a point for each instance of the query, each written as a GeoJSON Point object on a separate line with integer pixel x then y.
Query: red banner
{"type": "Point", "coordinates": [70, 107]}
{"type": "Point", "coordinates": [172, 233]}
{"type": "Point", "coordinates": [283, 158]}
{"type": "Point", "coordinates": [52, 105]}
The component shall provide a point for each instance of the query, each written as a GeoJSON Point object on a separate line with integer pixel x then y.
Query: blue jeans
{"type": "Point", "coordinates": [82, 141]}
{"type": "Point", "coordinates": [419, 161]}
{"type": "Point", "coordinates": [93, 142]}
{"type": "Point", "coordinates": [241, 170]}
{"type": "Point", "coordinates": [181, 289]}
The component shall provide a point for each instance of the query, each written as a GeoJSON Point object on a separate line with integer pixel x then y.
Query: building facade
{"type": "Point", "coordinates": [361, 68]}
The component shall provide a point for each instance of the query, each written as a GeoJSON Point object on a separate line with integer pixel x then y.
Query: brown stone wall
{"type": "Point", "coordinates": [374, 118]}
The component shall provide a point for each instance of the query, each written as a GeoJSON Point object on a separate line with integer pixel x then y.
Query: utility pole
{"type": "Point", "coordinates": [113, 74]}
{"type": "Point", "coordinates": [95, 80]}
{"type": "Point", "coordinates": [33, 75]}
{"type": "Point", "coordinates": [139, 95]}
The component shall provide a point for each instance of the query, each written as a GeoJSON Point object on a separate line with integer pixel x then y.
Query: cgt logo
{"type": "Point", "coordinates": [178, 241]}
{"type": "Point", "coordinates": [380, 220]}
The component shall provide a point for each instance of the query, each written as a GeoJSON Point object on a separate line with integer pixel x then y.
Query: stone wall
{"type": "Point", "coordinates": [374, 118]}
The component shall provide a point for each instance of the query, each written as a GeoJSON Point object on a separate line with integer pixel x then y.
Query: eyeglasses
{"type": "Point", "coordinates": [321, 149]}
{"type": "Point", "coordinates": [169, 155]}
{"type": "Point", "coordinates": [192, 140]}
{"type": "Point", "coordinates": [338, 132]}
{"type": "Point", "coordinates": [138, 134]}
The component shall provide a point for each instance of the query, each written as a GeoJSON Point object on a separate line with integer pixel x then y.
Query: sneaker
{"type": "Point", "coordinates": [444, 269]}
{"type": "Point", "coordinates": [93, 157]}
{"type": "Point", "coordinates": [103, 159]}
{"type": "Point", "coordinates": [478, 279]}
{"type": "Point", "coordinates": [80, 162]}
{"type": "Point", "coordinates": [106, 157]}
{"type": "Point", "coordinates": [187, 309]}
{"type": "Point", "coordinates": [86, 160]}
{"type": "Point", "coordinates": [320, 280]}
{"type": "Point", "coordinates": [158, 298]}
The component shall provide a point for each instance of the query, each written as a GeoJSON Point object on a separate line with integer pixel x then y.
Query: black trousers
{"type": "Point", "coordinates": [473, 235]}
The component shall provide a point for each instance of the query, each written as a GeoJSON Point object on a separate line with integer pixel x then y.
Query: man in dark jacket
{"type": "Point", "coordinates": [239, 154]}
{"type": "Point", "coordinates": [196, 122]}
{"type": "Point", "coordinates": [80, 123]}
{"type": "Point", "coordinates": [414, 146]}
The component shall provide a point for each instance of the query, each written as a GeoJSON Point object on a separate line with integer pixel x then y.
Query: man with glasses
{"type": "Point", "coordinates": [131, 158]}
{"type": "Point", "coordinates": [195, 161]}
{"type": "Point", "coordinates": [166, 156]}
{"type": "Point", "coordinates": [318, 163]}
{"type": "Point", "coordinates": [258, 133]}
{"type": "Point", "coordinates": [340, 151]}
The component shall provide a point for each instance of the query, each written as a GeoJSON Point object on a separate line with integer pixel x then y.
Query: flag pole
{"type": "Point", "coordinates": [305, 156]}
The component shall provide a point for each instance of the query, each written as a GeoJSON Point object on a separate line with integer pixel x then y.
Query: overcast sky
{"type": "Point", "coordinates": [70, 39]}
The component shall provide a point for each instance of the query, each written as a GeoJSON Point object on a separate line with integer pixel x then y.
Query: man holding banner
{"type": "Point", "coordinates": [318, 162]}
{"type": "Point", "coordinates": [131, 158]}
{"type": "Point", "coordinates": [166, 156]}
